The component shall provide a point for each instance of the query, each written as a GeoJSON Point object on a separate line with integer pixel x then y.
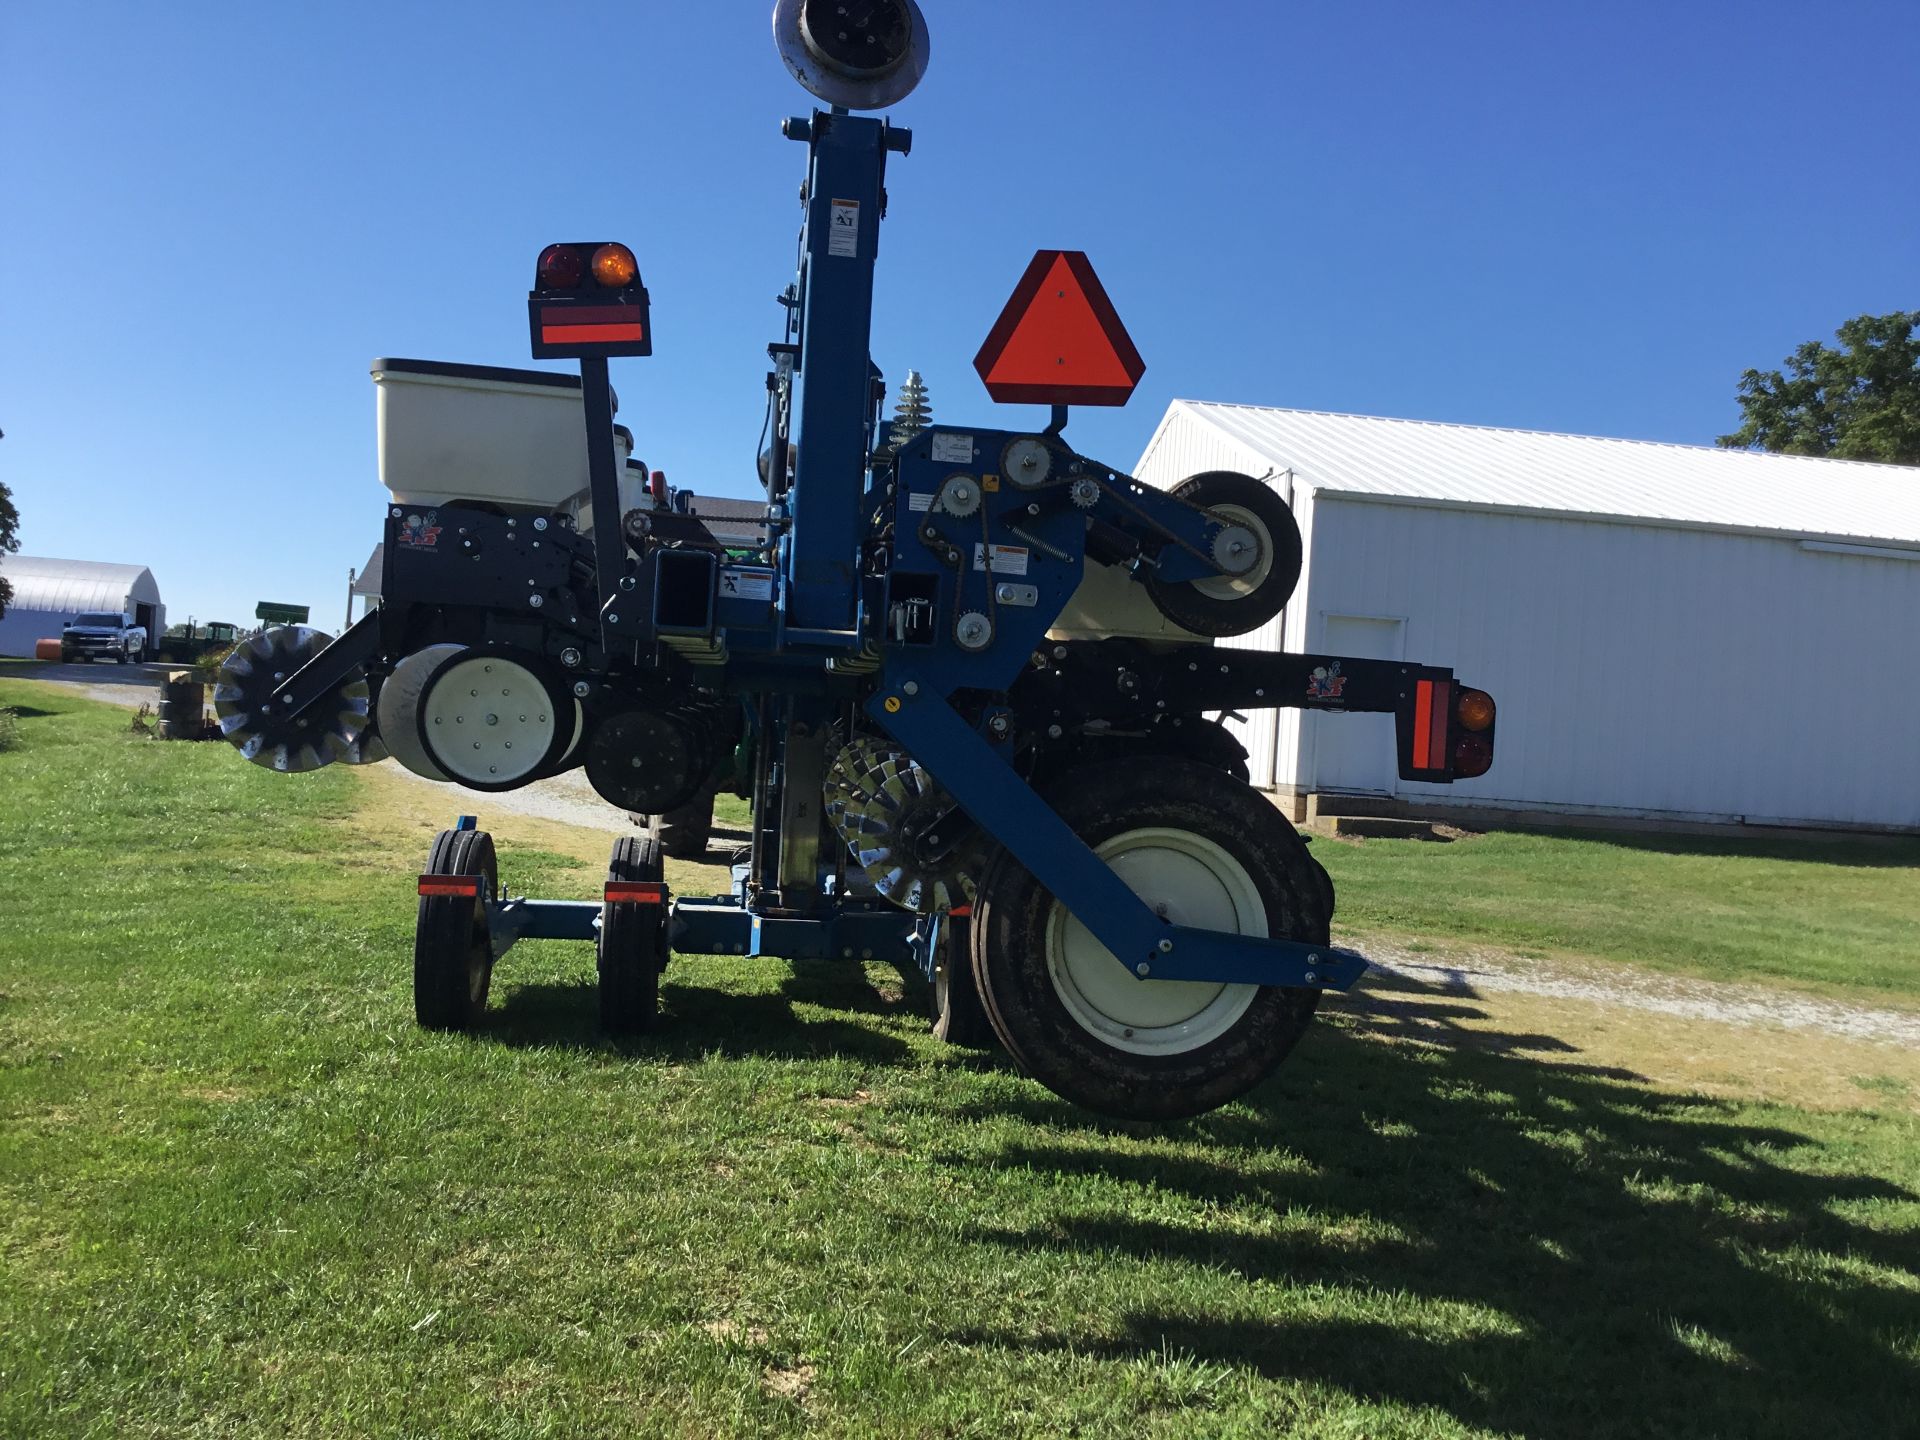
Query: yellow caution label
{"type": "Point", "coordinates": [989, 482]}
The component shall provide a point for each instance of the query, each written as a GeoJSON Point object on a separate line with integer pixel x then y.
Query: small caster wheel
{"type": "Point", "coordinates": [452, 951]}
{"type": "Point", "coordinates": [633, 945]}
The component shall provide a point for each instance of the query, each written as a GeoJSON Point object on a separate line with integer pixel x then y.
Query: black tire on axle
{"type": "Point", "coordinates": [958, 1016]}
{"type": "Point", "coordinates": [452, 951]}
{"type": "Point", "coordinates": [1222, 857]}
{"type": "Point", "coordinates": [685, 830]}
{"type": "Point", "coordinates": [633, 943]}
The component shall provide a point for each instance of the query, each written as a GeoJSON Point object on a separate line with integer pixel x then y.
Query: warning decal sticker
{"type": "Point", "coordinates": [844, 219]}
{"type": "Point", "coordinates": [1007, 559]}
{"type": "Point", "coordinates": [739, 582]}
{"type": "Point", "coordinates": [952, 449]}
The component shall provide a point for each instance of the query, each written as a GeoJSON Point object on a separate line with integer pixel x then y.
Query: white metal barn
{"type": "Point", "coordinates": [48, 593]}
{"type": "Point", "coordinates": [1670, 631]}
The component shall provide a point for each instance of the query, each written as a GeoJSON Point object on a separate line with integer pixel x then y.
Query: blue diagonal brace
{"type": "Point", "coordinates": [1006, 808]}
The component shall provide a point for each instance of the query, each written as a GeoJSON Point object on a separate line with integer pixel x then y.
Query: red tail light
{"type": "Point", "coordinates": [1472, 755]}
{"type": "Point", "coordinates": [561, 268]}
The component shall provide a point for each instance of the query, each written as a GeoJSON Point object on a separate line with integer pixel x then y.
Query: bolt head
{"type": "Point", "coordinates": [912, 687]}
{"type": "Point", "coordinates": [570, 657]}
{"type": "Point", "coordinates": [540, 522]}
{"type": "Point", "coordinates": [1143, 968]}
{"type": "Point", "coordinates": [1311, 977]}
{"type": "Point", "coordinates": [627, 582]}
{"type": "Point", "coordinates": [581, 689]}
{"type": "Point", "coordinates": [536, 601]}
{"type": "Point", "coordinates": [613, 619]}
{"type": "Point", "coordinates": [1165, 947]}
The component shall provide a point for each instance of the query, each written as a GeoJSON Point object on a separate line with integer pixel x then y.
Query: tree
{"type": "Point", "coordinates": [9, 540]}
{"type": "Point", "coordinates": [1859, 402]}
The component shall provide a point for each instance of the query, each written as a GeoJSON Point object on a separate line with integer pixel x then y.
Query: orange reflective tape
{"type": "Point", "coordinates": [636, 892]}
{"type": "Point", "coordinates": [1442, 719]}
{"type": "Point", "coordinates": [1422, 722]}
{"type": "Point", "coordinates": [589, 334]}
{"type": "Point", "coordinates": [467, 886]}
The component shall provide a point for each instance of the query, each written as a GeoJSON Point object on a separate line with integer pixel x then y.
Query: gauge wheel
{"type": "Point", "coordinates": [1233, 604]}
{"type": "Point", "coordinates": [1204, 850]}
{"type": "Point", "coordinates": [958, 1016]}
{"type": "Point", "coordinates": [493, 718]}
{"type": "Point", "coordinates": [633, 942]}
{"type": "Point", "coordinates": [452, 951]}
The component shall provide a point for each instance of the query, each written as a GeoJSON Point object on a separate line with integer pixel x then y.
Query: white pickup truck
{"type": "Point", "coordinates": [102, 635]}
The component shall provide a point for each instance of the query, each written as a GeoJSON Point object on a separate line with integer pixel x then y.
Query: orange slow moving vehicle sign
{"type": "Point", "coordinates": [1059, 341]}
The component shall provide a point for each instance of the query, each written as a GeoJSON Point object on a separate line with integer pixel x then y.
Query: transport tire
{"type": "Point", "coordinates": [1234, 604]}
{"type": "Point", "coordinates": [633, 943]}
{"type": "Point", "coordinates": [959, 1018]}
{"type": "Point", "coordinates": [452, 951]}
{"type": "Point", "coordinates": [1217, 855]}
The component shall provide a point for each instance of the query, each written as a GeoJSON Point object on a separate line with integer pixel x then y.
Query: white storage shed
{"type": "Point", "coordinates": [1671, 632]}
{"type": "Point", "coordinates": [48, 593]}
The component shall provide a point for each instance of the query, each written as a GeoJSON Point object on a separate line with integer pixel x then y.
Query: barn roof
{"type": "Point", "coordinates": [68, 586]}
{"type": "Point", "coordinates": [1366, 456]}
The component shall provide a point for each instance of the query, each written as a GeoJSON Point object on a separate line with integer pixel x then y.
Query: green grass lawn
{"type": "Point", "coordinates": [1833, 915]}
{"type": "Point", "coordinates": [240, 1194]}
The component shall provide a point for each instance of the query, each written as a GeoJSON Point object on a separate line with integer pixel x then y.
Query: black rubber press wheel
{"type": "Point", "coordinates": [958, 1016]}
{"type": "Point", "coordinates": [1204, 850]}
{"type": "Point", "coordinates": [633, 942]}
{"type": "Point", "coordinates": [1253, 515]}
{"type": "Point", "coordinates": [452, 952]}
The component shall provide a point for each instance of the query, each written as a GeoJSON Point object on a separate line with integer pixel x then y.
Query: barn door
{"type": "Point", "coordinates": [1354, 754]}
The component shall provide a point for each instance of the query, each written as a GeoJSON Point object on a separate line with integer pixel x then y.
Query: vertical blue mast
{"type": "Point", "coordinates": [845, 174]}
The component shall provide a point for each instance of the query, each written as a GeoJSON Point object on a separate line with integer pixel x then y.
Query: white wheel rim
{"type": "Point", "coordinates": [487, 720]}
{"type": "Point", "coordinates": [1199, 884]}
{"type": "Point", "coordinates": [1236, 587]}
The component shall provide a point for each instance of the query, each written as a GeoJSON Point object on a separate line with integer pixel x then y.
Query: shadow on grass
{"type": "Point", "coordinates": [697, 1021]}
{"type": "Point", "coordinates": [1556, 1252]}
{"type": "Point", "coordinates": [1400, 1007]}
{"type": "Point", "coordinates": [29, 712]}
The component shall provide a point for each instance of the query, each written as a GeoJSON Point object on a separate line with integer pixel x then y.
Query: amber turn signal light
{"type": "Point", "coordinates": [1474, 710]}
{"type": "Point", "coordinates": [614, 266]}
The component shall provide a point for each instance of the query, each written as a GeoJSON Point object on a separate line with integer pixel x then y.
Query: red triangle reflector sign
{"type": "Point", "coordinates": [1059, 342]}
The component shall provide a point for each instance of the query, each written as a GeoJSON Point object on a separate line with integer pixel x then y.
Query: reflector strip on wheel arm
{"type": "Point", "coordinates": [636, 892]}
{"type": "Point", "coordinates": [467, 886]}
{"type": "Point", "coordinates": [1432, 707]}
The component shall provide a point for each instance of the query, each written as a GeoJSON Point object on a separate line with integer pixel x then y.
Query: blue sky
{"type": "Point", "coordinates": [1568, 216]}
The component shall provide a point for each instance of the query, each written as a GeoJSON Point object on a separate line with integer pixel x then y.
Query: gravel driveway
{"type": "Point", "coordinates": [1467, 972]}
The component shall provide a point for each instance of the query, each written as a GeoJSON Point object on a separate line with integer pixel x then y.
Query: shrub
{"type": "Point", "coordinates": [9, 727]}
{"type": "Point", "coordinates": [206, 669]}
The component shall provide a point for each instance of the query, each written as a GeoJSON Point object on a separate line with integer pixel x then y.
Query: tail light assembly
{"type": "Point", "coordinates": [587, 302]}
{"type": "Point", "coordinates": [1446, 731]}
